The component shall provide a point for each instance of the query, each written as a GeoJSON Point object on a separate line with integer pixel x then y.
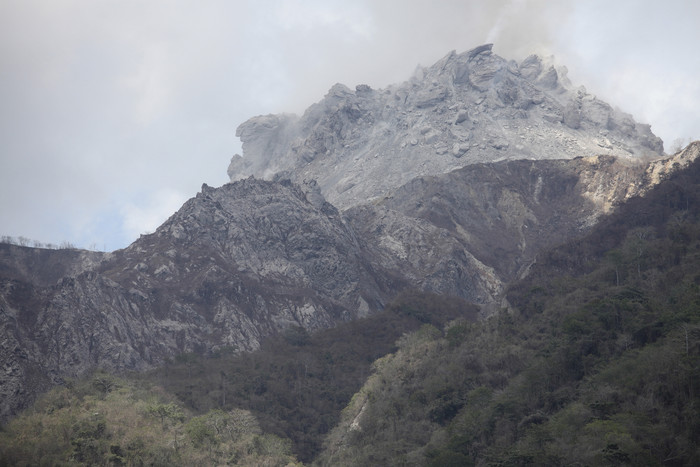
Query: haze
{"type": "Point", "coordinates": [115, 112]}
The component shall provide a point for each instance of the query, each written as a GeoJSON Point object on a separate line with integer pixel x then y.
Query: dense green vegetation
{"type": "Point", "coordinates": [236, 409]}
{"type": "Point", "coordinates": [298, 383]}
{"type": "Point", "coordinates": [104, 420]}
{"type": "Point", "coordinates": [595, 361]}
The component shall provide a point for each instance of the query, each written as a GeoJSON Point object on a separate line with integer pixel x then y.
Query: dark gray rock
{"type": "Point", "coordinates": [233, 265]}
{"type": "Point", "coordinates": [251, 258]}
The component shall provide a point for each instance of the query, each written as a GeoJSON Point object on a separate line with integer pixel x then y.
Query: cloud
{"type": "Point", "coordinates": [149, 84]}
{"type": "Point", "coordinates": [145, 216]}
{"type": "Point", "coordinates": [640, 57]}
{"type": "Point", "coordinates": [113, 110]}
{"type": "Point", "coordinates": [350, 18]}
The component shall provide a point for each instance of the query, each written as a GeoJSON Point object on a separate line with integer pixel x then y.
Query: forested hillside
{"type": "Point", "coordinates": [243, 409]}
{"type": "Point", "coordinates": [105, 420]}
{"type": "Point", "coordinates": [593, 360]}
{"type": "Point", "coordinates": [596, 361]}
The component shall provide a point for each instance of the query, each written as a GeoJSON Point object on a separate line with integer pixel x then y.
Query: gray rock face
{"type": "Point", "coordinates": [466, 108]}
{"type": "Point", "coordinates": [233, 265]}
{"type": "Point", "coordinates": [247, 260]}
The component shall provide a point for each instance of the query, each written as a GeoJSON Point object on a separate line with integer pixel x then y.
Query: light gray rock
{"type": "Point", "coordinates": [572, 115]}
{"type": "Point", "coordinates": [268, 135]}
{"type": "Point", "coordinates": [362, 144]}
{"type": "Point", "coordinates": [247, 260]}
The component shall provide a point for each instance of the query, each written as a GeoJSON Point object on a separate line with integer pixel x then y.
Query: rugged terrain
{"type": "Point", "coordinates": [255, 257]}
{"type": "Point", "coordinates": [595, 361]}
{"type": "Point", "coordinates": [470, 107]}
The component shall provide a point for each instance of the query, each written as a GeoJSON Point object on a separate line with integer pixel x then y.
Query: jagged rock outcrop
{"type": "Point", "coordinates": [241, 262]}
{"type": "Point", "coordinates": [233, 265]}
{"type": "Point", "coordinates": [470, 107]}
{"type": "Point", "coordinates": [246, 260]}
{"type": "Point", "coordinates": [470, 232]}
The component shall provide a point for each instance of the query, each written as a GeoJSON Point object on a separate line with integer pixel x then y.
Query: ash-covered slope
{"type": "Point", "coordinates": [466, 108]}
{"type": "Point", "coordinates": [470, 232]}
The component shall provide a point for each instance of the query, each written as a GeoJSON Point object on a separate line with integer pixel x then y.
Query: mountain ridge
{"type": "Point", "coordinates": [596, 360]}
{"type": "Point", "coordinates": [254, 257]}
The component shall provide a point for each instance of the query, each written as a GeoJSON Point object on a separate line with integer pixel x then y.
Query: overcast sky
{"type": "Point", "coordinates": [113, 113]}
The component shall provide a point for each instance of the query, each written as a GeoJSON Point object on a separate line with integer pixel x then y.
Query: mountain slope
{"type": "Point", "coordinates": [596, 363]}
{"type": "Point", "coordinates": [43, 266]}
{"type": "Point", "coordinates": [252, 258]}
{"type": "Point", "coordinates": [233, 265]}
{"type": "Point", "coordinates": [470, 232]}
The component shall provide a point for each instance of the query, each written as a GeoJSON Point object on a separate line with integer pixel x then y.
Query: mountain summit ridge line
{"type": "Point", "coordinates": [368, 194]}
{"type": "Point", "coordinates": [465, 108]}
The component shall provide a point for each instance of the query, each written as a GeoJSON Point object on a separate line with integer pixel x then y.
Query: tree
{"type": "Point", "coordinates": [616, 259]}
{"type": "Point", "coordinates": [166, 412]}
{"type": "Point", "coordinates": [103, 382]}
{"type": "Point", "coordinates": [637, 245]}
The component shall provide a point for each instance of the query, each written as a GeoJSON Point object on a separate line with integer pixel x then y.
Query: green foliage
{"type": "Point", "coordinates": [298, 383]}
{"type": "Point", "coordinates": [235, 409]}
{"type": "Point", "coordinates": [598, 363]}
{"type": "Point", "coordinates": [133, 424]}
{"type": "Point", "coordinates": [166, 412]}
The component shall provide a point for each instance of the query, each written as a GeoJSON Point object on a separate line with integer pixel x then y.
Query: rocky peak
{"type": "Point", "coordinates": [263, 231]}
{"type": "Point", "coordinates": [466, 108]}
{"type": "Point", "coordinates": [233, 265]}
{"type": "Point", "coordinates": [431, 197]}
